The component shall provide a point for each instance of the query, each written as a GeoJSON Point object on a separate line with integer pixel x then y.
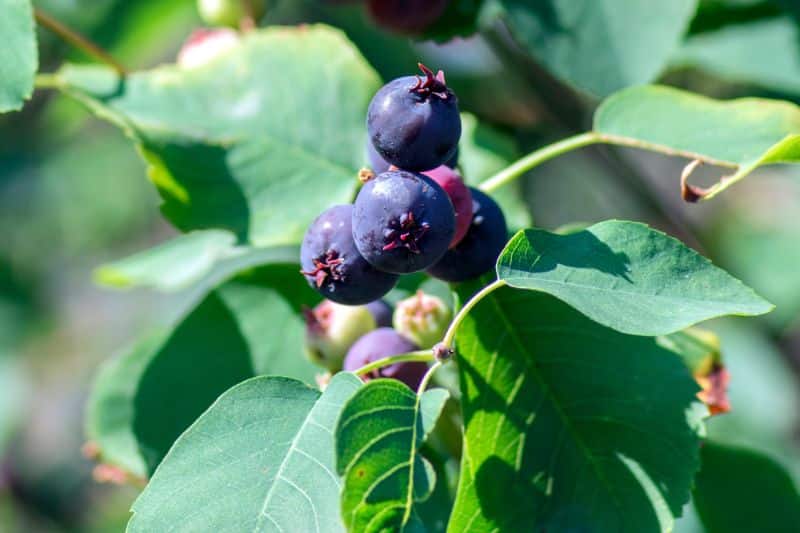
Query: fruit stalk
{"type": "Point", "coordinates": [424, 356]}
{"type": "Point", "coordinates": [76, 39]}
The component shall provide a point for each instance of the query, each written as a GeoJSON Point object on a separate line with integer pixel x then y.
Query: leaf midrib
{"type": "Point", "coordinates": [532, 370]}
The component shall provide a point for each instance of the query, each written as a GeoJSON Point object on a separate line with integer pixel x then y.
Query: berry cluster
{"type": "Point", "coordinates": [416, 213]}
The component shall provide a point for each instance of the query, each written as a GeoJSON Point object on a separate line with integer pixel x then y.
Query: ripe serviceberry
{"type": "Point", "coordinates": [406, 16]}
{"type": "Point", "coordinates": [381, 343]}
{"type": "Point", "coordinates": [331, 329]}
{"type": "Point", "coordinates": [229, 12]}
{"type": "Point", "coordinates": [422, 318]}
{"type": "Point", "coordinates": [402, 222]}
{"type": "Point", "coordinates": [477, 252]}
{"type": "Point", "coordinates": [379, 164]}
{"type": "Point", "coordinates": [334, 267]}
{"type": "Point", "coordinates": [413, 122]}
{"type": "Point", "coordinates": [381, 312]}
{"type": "Point", "coordinates": [459, 195]}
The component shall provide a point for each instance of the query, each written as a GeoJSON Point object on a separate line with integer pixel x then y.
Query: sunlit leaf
{"type": "Point", "coordinates": [18, 56]}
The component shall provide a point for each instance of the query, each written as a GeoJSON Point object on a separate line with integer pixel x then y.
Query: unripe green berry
{"type": "Point", "coordinates": [332, 328]}
{"type": "Point", "coordinates": [229, 12]}
{"type": "Point", "coordinates": [422, 319]}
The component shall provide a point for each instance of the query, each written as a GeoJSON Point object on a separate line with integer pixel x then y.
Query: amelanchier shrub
{"type": "Point", "coordinates": [529, 380]}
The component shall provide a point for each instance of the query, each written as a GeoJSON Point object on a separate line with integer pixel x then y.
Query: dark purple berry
{"type": "Point", "coordinates": [478, 250]}
{"type": "Point", "coordinates": [332, 265]}
{"type": "Point", "coordinates": [406, 16]}
{"type": "Point", "coordinates": [402, 222]}
{"type": "Point", "coordinates": [380, 165]}
{"type": "Point", "coordinates": [381, 343]}
{"type": "Point", "coordinates": [414, 123]}
{"type": "Point", "coordinates": [382, 313]}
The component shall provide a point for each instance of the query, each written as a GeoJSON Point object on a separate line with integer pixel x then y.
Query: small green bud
{"type": "Point", "coordinates": [422, 319]}
{"type": "Point", "coordinates": [229, 12]}
{"type": "Point", "coordinates": [332, 328]}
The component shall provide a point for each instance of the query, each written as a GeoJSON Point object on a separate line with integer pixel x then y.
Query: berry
{"type": "Point", "coordinates": [381, 312]}
{"type": "Point", "coordinates": [332, 328]}
{"type": "Point", "coordinates": [229, 12]}
{"type": "Point", "coordinates": [422, 318]}
{"type": "Point", "coordinates": [477, 252]}
{"type": "Point", "coordinates": [402, 222]}
{"type": "Point", "coordinates": [414, 123]}
{"type": "Point", "coordinates": [380, 165]}
{"type": "Point", "coordinates": [459, 195]}
{"type": "Point", "coordinates": [406, 16]}
{"type": "Point", "coordinates": [381, 343]}
{"type": "Point", "coordinates": [332, 264]}
{"type": "Point", "coordinates": [205, 44]}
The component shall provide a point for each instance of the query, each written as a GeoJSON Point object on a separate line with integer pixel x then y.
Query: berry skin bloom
{"type": "Point", "coordinates": [381, 343]}
{"type": "Point", "coordinates": [333, 266]}
{"type": "Point", "coordinates": [402, 222]}
{"type": "Point", "coordinates": [414, 123]}
{"type": "Point", "coordinates": [477, 253]}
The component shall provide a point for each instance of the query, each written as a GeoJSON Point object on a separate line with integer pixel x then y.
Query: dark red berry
{"type": "Point", "coordinates": [459, 195]}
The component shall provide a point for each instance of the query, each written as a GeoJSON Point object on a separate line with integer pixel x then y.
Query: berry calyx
{"type": "Point", "coordinates": [477, 253]}
{"type": "Point", "coordinates": [381, 343]}
{"type": "Point", "coordinates": [333, 265]}
{"type": "Point", "coordinates": [422, 318]}
{"type": "Point", "coordinates": [459, 195]}
{"type": "Point", "coordinates": [331, 329]}
{"type": "Point", "coordinates": [402, 222]}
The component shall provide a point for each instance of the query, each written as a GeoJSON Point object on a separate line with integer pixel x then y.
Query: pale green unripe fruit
{"type": "Point", "coordinates": [229, 12]}
{"type": "Point", "coordinates": [331, 329]}
{"type": "Point", "coordinates": [422, 319]}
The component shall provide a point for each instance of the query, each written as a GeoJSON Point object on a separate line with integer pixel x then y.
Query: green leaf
{"type": "Point", "coordinates": [626, 276]}
{"type": "Point", "coordinates": [377, 452]}
{"type": "Point", "coordinates": [763, 53]}
{"type": "Point", "coordinates": [599, 46]}
{"type": "Point", "coordinates": [569, 425]}
{"type": "Point", "coordinates": [739, 490]}
{"type": "Point", "coordinates": [260, 459]}
{"type": "Point", "coordinates": [19, 57]}
{"type": "Point", "coordinates": [258, 141]}
{"type": "Point", "coordinates": [110, 409]}
{"type": "Point", "coordinates": [209, 256]}
{"type": "Point", "coordinates": [484, 151]}
{"type": "Point", "coordinates": [251, 325]}
{"type": "Point", "coordinates": [742, 134]}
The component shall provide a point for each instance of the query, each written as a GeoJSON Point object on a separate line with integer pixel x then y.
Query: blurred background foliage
{"type": "Point", "coordinates": [73, 195]}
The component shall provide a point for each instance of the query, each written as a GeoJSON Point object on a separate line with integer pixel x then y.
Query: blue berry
{"type": "Point", "coordinates": [380, 165]}
{"type": "Point", "coordinates": [332, 265]}
{"type": "Point", "coordinates": [406, 16]}
{"type": "Point", "coordinates": [477, 252]}
{"type": "Point", "coordinates": [382, 313]}
{"type": "Point", "coordinates": [402, 222]}
{"type": "Point", "coordinates": [381, 343]}
{"type": "Point", "coordinates": [414, 123]}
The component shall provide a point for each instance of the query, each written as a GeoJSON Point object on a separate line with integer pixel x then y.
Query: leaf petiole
{"type": "Point", "coordinates": [472, 302]}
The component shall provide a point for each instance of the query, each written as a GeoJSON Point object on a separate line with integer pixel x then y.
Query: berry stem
{"type": "Point", "coordinates": [424, 356]}
{"type": "Point", "coordinates": [76, 39]}
{"type": "Point", "coordinates": [465, 309]}
{"type": "Point", "coordinates": [537, 157]}
{"type": "Point", "coordinates": [427, 377]}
